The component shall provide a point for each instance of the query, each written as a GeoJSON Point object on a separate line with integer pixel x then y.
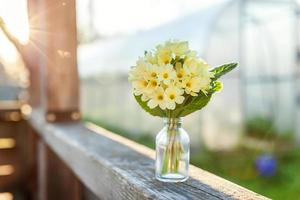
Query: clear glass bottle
{"type": "Point", "coordinates": [172, 152]}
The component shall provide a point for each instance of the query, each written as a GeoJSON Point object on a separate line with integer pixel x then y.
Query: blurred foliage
{"type": "Point", "coordinates": [263, 128]}
{"type": "Point", "coordinates": [238, 165]}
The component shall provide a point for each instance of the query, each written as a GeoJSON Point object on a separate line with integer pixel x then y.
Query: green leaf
{"type": "Point", "coordinates": [216, 86]}
{"type": "Point", "coordinates": [155, 111]}
{"type": "Point", "coordinates": [197, 103]}
{"type": "Point", "coordinates": [223, 69]}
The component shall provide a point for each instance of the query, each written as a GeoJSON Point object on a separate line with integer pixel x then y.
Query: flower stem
{"type": "Point", "coordinates": [172, 152]}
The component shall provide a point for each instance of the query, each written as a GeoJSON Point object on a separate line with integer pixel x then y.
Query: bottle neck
{"type": "Point", "coordinates": [172, 123]}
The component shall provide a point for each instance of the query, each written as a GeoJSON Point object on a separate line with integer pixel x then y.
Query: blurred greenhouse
{"type": "Point", "coordinates": [261, 35]}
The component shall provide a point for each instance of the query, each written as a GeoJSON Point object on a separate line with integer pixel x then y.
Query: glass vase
{"type": "Point", "coordinates": [172, 152]}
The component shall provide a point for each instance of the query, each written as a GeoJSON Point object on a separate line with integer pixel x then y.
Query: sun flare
{"type": "Point", "coordinates": [14, 13]}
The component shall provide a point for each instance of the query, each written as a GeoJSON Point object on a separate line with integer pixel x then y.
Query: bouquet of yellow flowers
{"type": "Point", "coordinates": [172, 82]}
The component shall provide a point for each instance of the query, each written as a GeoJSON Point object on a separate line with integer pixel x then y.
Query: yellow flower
{"type": "Point", "coordinates": [152, 72]}
{"type": "Point", "coordinates": [139, 71]}
{"type": "Point", "coordinates": [195, 67]}
{"type": "Point", "coordinates": [181, 73]}
{"type": "Point", "coordinates": [179, 48]}
{"type": "Point", "coordinates": [192, 85]}
{"type": "Point", "coordinates": [192, 66]}
{"type": "Point", "coordinates": [173, 96]}
{"type": "Point", "coordinates": [205, 72]}
{"type": "Point", "coordinates": [157, 99]}
{"type": "Point", "coordinates": [153, 84]}
{"type": "Point", "coordinates": [139, 86]}
{"type": "Point", "coordinates": [166, 74]}
{"type": "Point", "coordinates": [204, 84]}
{"type": "Point", "coordinates": [163, 55]}
{"type": "Point", "coordinates": [192, 54]}
{"type": "Point", "coordinates": [150, 58]}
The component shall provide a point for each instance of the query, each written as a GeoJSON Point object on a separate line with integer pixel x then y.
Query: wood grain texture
{"type": "Point", "coordinates": [116, 168]}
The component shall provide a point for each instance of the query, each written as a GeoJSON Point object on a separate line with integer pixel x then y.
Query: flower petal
{"type": "Point", "coordinates": [171, 105]}
{"type": "Point", "coordinates": [145, 97]}
{"type": "Point", "coordinates": [179, 99]}
{"type": "Point", "coordinates": [152, 104]}
{"type": "Point", "coordinates": [163, 105]}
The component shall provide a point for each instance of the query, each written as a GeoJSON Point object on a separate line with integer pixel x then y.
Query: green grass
{"type": "Point", "coordinates": [238, 166]}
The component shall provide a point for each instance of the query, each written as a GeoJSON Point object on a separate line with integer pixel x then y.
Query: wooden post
{"type": "Point", "coordinates": [59, 69]}
{"type": "Point", "coordinates": [51, 57]}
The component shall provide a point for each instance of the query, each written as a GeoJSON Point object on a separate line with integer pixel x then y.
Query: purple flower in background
{"type": "Point", "coordinates": [266, 165]}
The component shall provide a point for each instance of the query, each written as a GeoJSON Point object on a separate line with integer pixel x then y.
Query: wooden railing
{"type": "Point", "coordinates": [109, 166]}
{"type": "Point", "coordinates": [72, 160]}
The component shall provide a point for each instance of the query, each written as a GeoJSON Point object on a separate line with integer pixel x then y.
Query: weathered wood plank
{"type": "Point", "coordinates": [116, 168]}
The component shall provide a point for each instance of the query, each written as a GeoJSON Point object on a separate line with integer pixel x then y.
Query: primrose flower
{"type": "Point", "coordinates": [163, 54]}
{"type": "Point", "coordinates": [166, 74]}
{"type": "Point", "coordinates": [193, 66]}
{"type": "Point", "coordinates": [153, 84]}
{"type": "Point", "coordinates": [173, 96]}
{"type": "Point", "coordinates": [179, 48]}
{"type": "Point", "coordinates": [139, 86]}
{"type": "Point", "coordinates": [192, 85]}
{"type": "Point", "coordinates": [139, 71]}
{"type": "Point", "coordinates": [181, 73]}
{"type": "Point", "coordinates": [150, 58]}
{"type": "Point", "coordinates": [204, 84]}
{"type": "Point", "coordinates": [152, 71]}
{"type": "Point", "coordinates": [157, 99]}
